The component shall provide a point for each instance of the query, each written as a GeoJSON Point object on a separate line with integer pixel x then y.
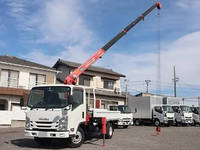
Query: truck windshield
{"type": "Point", "coordinates": [49, 97]}
{"type": "Point", "coordinates": [124, 109]}
{"type": "Point", "coordinates": [167, 109]}
{"type": "Point", "coordinates": [185, 108]}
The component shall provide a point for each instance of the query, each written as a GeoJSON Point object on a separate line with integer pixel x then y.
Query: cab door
{"type": "Point", "coordinates": [77, 113]}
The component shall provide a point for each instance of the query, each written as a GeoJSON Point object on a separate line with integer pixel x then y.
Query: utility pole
{"type": "Point", "coordinates": [126, 90]}
{"type": "Point", "coordinates": [175, 79]}
{"type": "Point", "coordinates": [147, 82]}
{"type": "Point", "coordinates": [183, 100]}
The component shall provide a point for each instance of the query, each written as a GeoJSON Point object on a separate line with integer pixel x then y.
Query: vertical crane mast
{"type": "Point", "coordinates": [72, 78]}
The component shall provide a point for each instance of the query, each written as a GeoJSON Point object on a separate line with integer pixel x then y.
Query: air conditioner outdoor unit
{"type": "Point", "coordinates": [117, 90]}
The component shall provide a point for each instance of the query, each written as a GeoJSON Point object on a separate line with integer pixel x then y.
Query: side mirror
{"type": "Point", "coordinates": [135, 110]}
{"type": "Point", "coordinates": [22, 102]}
{"type": "Point", "coordinates": [70, 100]}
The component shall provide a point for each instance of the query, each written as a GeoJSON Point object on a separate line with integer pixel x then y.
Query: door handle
{"type": "Point", "coordinates": [83, 115]}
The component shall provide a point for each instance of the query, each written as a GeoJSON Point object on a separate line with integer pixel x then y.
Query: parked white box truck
{"type": "Point", "coordinates": [183, 114]}
{"type": "Point", "coordinates": [65, 111]}
{"type": "Point", "coordinates": [150, 109]}
{"type": "Point", "coordinates": [126, 115]}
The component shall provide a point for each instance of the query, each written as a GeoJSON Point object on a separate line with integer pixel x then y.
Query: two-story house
{"type": "Point", "coordinates": [17, 76]}
{"type": "Point", "coordinates": [105, 81]}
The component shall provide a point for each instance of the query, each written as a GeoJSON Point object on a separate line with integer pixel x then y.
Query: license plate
{"type": "Point", "coordinates": [42, 134]}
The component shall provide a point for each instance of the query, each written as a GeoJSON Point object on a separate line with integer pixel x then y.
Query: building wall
{"type": "Point", "coordinates": [96, 81]}
{"type": "Point", "coordinates": [24, 75]}
{"type": "Point", "coordinates": [10, 96]}
{"type": "Point", "coordinates": [11, 102]}
{"type": "Point", "coordinates": [8, 116]}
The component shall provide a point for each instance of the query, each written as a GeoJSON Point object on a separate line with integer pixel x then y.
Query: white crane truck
{"type": "Point", "coordinates": [60, 111]}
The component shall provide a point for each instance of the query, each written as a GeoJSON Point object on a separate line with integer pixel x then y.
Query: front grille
{"type": "Point", "coordinates": [170, 118]}
{"type": "Point", "coordinates": [42, 122]}
{"type": "Point", "coordinates": [43, 129]}
{"type": "Point", "coordinates": [41, 125]}
{"type": "Point", "coordinates": [44, 126]}
{"type": "Point", "coordinates": [188, 117]}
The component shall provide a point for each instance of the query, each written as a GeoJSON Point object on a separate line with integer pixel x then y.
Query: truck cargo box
{"type": "Point", "coordinates": [142, 106]}
{"type": "Point", "coordinates": [171, 101]}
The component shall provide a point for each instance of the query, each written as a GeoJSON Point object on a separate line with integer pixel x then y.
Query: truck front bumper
{"type": "Point", "coordinates": [188, 121]}
{"type": "Point", "coordinates": [125, 123]}
{"type": "Point", "coordinates": [169, 122]}
{"type": "Point", "coordinates": [47, 134]}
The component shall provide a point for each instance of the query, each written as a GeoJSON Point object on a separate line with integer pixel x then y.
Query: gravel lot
{"type": "Point", "coordinates": [133, 138]}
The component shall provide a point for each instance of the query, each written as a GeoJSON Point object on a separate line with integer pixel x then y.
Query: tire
{"type": "Point", "coordinates": [125, 126]}
{"type": "Point", "coordinates": [109, 131]}
{"type": "Point", "coordinates": [78, 139]}
{"type": "Point", "coordinates": [177, 123]}
{"type": "Point", "coordinates": [137, 122]}
{"type": "Point", "coordinates": [157, 122]}
{"type": "Point", "coordinates": [194, 123]}
{"type": "Point", "coordinates": [42, 141]}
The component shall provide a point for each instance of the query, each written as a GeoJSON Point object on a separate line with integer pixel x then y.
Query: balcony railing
{"type": "Point", "coordinates": [14, 83]}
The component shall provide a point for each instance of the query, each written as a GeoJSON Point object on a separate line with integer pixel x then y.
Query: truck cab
{"type": "Point", "coordinates": [126, 116]}
{"type": "Point", "coordinates": [196, 115]}
{"type": "Point", "coordinates": [183, 115]}
{"type": "Point", "coordinates": [163, 115]}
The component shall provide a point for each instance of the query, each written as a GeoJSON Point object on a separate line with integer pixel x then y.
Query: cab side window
{"type": "Point", "coordinates": [175, 108]}
{"type": "Point", "coordinates": [158, 109]}
{"type": "Point", "coordinates": [77, 98]}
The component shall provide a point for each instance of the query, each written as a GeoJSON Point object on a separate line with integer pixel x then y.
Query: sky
{"type": "Point", "coordinates": [44, 31]}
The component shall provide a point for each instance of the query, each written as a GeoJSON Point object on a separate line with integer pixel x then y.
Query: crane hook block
{"type": "Point", "coordinates": [159, 6]}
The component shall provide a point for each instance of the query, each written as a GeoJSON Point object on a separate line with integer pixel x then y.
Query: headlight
{"type": "Point", "coordinates": [62, 124]}
{"type": "Point", "coordinates": [27, 123]}
{"type": "Point", "coordinates": [165, 118]}
{"type": "Point", "coordinates": [120, 120]}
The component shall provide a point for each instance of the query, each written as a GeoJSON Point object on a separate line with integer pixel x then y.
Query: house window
{"type": "Point", "coordinates": [108, 84]}
{"type": "Point", "coordinates": [3, 104]}
{"type": "Point", "coordinates": [9, 78]}
{"type": "Point", "coordinates": [36, 79]}
{"type": "Point", "coordinates": [84, 80]}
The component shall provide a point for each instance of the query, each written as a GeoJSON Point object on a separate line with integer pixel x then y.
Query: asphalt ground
{"type": "Point", "coordinates": [133, 138]}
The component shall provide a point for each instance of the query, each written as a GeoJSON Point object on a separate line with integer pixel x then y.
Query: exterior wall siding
{"type": "Point", "coordinates": [24, 75]}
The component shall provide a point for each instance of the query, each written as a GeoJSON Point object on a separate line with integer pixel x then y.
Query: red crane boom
{"type": "Point", "coordinates": [72, 78]}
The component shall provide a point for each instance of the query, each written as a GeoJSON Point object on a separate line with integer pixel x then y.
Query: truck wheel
{"type": "Point", "coordinates": [78, 139]}
{"type": "Point", "coordinates": [109, 131]}
{"type": "Point", "coordinates": [157, 122]}
{"type": "Point", "coordinates": [137, 122]}
{"type": "Point", "coordinates": [42, 141]}
{"type": "Point", "coordinates": [125, 126]}
{"type": "Point", "coordinates": [177, 123]}
{"type": "Point", "coordinates": [194, 123]}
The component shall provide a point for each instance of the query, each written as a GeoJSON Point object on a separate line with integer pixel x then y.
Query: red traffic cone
{"type": "Point", "coordinates": [158, 130]}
